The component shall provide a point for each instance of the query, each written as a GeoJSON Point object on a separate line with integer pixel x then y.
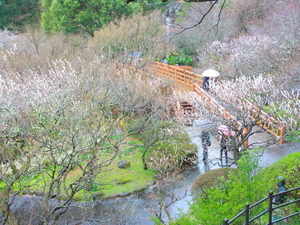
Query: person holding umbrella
{"type": "Point", "coordinates": [225, 141]}
{"type": "Point", "coordinates": [208, 75]}
{"type": "Point", "coordinates": [223, 146]}
{"type": "Point", "coordinates": [206, 141]}
{"type": "Point", "coordinates": [204, 125]}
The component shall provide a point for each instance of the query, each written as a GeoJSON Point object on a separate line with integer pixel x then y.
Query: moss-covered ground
{"type": "Point", "coordinates": [114, 180]}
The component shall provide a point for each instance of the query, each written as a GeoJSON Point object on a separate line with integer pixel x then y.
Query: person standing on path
{"type": "Point", "coordinates": [223, 146]}
{"type": "Point", "coordinates": [205, 137]}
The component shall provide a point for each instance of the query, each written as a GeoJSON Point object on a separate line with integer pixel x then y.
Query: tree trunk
{"type": "Point", "coordinates": [144, 160]}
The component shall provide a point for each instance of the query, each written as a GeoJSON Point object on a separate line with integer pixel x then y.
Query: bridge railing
{"type": "Point", "coordinates": [262, 118]}
{"type": "Point", "coordinates": [178, 74]}
{"type": "Point", "coordinates": [214, 107]}
{"type": "Point", "coordinates": [266, 121]}
{"type": "Point", "coordinates": [270, 211]}
{"type": "Point", "coordinates": [195, 81]}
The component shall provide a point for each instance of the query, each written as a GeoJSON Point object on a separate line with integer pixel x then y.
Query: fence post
{"type": "Point", "coordinates": [247, 211]}
{"type": "Point", "coordinates": [270, 208]}
{"type": "Point", "coordinates": [225, 222]}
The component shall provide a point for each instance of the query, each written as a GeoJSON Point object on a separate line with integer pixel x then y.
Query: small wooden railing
{"type": "Point", "coordinates": [270, 211]}
{"type": "Point", "coordinates": [266, 121]}
{"type": "Point", "coordinates": [218, 110]}
{"type": "Point", "coordinates": [194, 80]}
{"type": "Point", "coordinates": [180, 75]}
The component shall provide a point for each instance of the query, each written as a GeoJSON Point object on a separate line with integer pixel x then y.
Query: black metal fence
{"type": "Point", "coordinates": [270, 210]}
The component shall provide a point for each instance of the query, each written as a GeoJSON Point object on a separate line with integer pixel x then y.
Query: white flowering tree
{"type": "Point", "coordinates": [244, 104]}
{"type": "Point", "coordinates": [54, 124]}
{"type": "Point", "coordinates": [60, 128]}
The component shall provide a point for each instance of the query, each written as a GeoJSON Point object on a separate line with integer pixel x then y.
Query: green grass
{"type": "Point", "coordinates": [111, 181]}
{"type": "Point", "coordinates": [138, 176]}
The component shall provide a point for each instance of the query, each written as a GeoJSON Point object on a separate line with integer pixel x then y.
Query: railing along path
{"type": "Point", "coordinates": [266, 121]}
{"type": "Point", "coordinates": [270, 211]}
{"type": "Point", "coordinates": [194, 80]}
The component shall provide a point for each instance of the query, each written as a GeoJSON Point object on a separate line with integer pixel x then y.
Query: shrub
{"type": "Point", "coordinates": [248, 185]}
{"type": "Point", "coordinates": [167, 158]}
{"type": "Point", "coordinates": [181, 60]}
{"type": "Point", "coordinates": [137, 34]}
{"type": "Point", "coordinates": [210, 179]}
{"type": "Point", "coordinates": [287, 167]}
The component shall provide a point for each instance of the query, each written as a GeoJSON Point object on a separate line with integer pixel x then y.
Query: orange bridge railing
{"type": "Point", "coordinates": [194, 80]}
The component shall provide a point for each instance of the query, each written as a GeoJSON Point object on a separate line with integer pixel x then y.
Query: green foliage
{"type": "Point", "coordinates": [146, 6]}
{"type": "Point", "coordinates": [210, 179]}
{"type": "Point", "coordinates": [16, 13]}
{"type": "Point", "coordinates": [250, 184]}
{"type": "Point", "coordinates": [133, 146]}
{"type": "Point", "coordinates": [174, 58]}
{"type": "Point", "coordinates": [124, 181]}
{"type": "Point", "coordinates": [109, 181]}
{"type": "Point", "coordinates": [172, 153]}
{"type": "Point", "coordinates": [73, 15]}
{"type": "Point", "coordinates": [293, 137]}
{"type": "Point", "coordinates": [175, 153]}
{"type": "Point", "coordinates": [94, 187]}
{"type": "Point", "coordinates": [165, 146]}
{"type": "Point", "coordinates": [288, 167]}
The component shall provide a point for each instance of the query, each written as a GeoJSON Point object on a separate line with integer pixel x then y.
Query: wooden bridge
{"type": "Point", "coordinates": [194, 81]}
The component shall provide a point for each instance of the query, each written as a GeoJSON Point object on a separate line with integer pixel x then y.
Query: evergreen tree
{"type": "Point", "coordinates": [85, 15]}
{"type": "Point", "coordinates": [16, 13]}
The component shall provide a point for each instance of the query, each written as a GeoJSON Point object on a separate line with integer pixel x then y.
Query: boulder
{"type": "Point", "coordinates": [123, 164]}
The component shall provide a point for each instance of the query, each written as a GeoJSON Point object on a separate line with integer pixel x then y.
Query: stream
{"type": "Point", "coordinates": [131, 210]}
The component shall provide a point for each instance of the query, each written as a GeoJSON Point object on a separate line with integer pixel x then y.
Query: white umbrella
{"type": "Point", "coordinates": [210, 73]}
{"type": "Point", "coordinates": [202, 124]}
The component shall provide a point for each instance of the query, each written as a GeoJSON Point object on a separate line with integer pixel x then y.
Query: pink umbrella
{"type": "Point", "coordinates": [223, 129]}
